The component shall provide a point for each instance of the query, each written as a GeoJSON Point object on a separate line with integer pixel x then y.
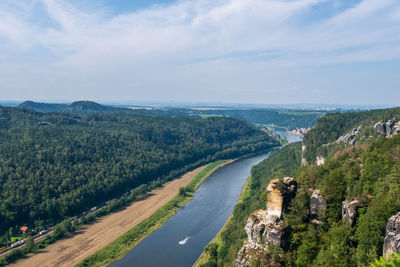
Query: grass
{"type": "Point", "coordinates": [123, 244]}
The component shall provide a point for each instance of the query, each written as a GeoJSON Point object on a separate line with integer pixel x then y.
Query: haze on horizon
{"type": "Point", "coordinates": [233, 51]}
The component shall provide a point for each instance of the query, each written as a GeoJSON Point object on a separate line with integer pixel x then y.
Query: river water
{"type": "Point", "coordinates": [291, 137]}
{"type": "Point", "coordinates": [181, 240]}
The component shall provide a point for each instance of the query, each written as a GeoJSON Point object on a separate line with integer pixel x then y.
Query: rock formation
{"type": "Point", "coordinates": [317, 204]}
{"type": "Point", "coordinates": [350, 138]}
{"type": "Point", "coordinates": [266, 227]}
{"type": "Point", "coordinates": [303, 159]}
{"type": "Point", "coordinates": [388, 128]}
{"type": "Point", "coordinates": [320, 160]}
{"type": "Point", "coordinates": [392, 239]}
{"type": "Point", "coordinates": [349, 211]}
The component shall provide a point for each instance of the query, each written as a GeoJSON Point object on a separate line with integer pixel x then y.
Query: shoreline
{"type": "Point", "coordinates": [95, 236]}
{"type": "Point", "coordinates": [204, 256]}
{"type": "Point", "coordinates": [119, 247]}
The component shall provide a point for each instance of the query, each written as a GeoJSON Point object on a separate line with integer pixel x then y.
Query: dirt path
{"type": "Point", "coordinates": [91, 238]}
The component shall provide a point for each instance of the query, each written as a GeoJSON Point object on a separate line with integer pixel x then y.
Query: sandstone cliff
{"type": "Point", "coordinates": [349, 211]}
{"type": "Point", "coordinates": [392, 239]}
{"type": "Point", "coordinates": [266, 227]}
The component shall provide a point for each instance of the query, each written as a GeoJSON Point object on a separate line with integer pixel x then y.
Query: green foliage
{"type": "Point", "coordinates": [331, 126]}
{"type": "Point", "coordinates": [372, 175]}
{"type": "Point", "coordinates": [394, 261]}
{"type": "Point", "coordinates": [369, 172]}
{"type": "Point", "coordinates": [58, 165]}
{"type": "Point", "coordinates": [280, 163]}
{"type": "Point", "coordinates": [118, 248]}
{"type": "Point", "coordinates": [283, 118]}
{"type": "Point", "coordinates": [30, 243]}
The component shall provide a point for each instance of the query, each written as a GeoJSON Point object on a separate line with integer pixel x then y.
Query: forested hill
{"type": "Point", "coordinates": [290, 119]}
{"type": "Point", "coordinates": [320, 140]}
{"type": "Point", "coordinates": [55, 165]}
{"type": "Point", "coordinates": [78, 107]}
{"type": "Point", "coordinates": [342, 206]}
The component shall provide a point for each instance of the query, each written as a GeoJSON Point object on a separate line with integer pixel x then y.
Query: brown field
{"type": "Point", "coordinates": [89, 239]}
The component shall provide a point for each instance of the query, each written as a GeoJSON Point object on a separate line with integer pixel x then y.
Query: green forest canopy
{"type": "Point", "coordinates": [56, 165]}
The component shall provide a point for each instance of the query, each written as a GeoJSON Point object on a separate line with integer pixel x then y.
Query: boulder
{"type": "Point", "coordinates": [349, 211]}
{"type": "Point", "coordinates": [391, 243]}
{"type": "Point", "coordinates": [317, 204]}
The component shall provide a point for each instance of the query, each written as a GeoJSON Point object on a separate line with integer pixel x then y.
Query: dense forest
{"type": "Point", "coordinates": [284, 162]}
{"type": "Point", "coordinates": [290, 119]}
{"type": "Point", "coordinates": [331, 126]}
{"type": "Point", "coordinates": [368, 172]}
{"type": "Point", "coordinates": [57, 165]}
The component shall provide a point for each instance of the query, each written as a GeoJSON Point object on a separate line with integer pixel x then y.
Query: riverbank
{"type": "Point", "coordinates": [123, 244]}
{"type": "Point", "coordinates": [205, 256]}
{"type": "Point", "coordinates": [97, 235]}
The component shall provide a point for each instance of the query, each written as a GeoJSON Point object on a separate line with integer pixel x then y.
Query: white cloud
{"type": "Point", "coordinates": [153, 47]}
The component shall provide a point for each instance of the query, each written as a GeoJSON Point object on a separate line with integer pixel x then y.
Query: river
{"type": "Point", "coordinates": [290, 137]}
{"type": "Point", "coordinates": [181, 240]}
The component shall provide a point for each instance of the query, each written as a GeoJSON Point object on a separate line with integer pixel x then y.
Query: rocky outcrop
{"type": "Point", "coordinates": [317, 205]}
{"type": "Point", "coordinates": [388, 128]}
{"type": "Point", "coordinates": [279, 196]}
{"type": "Point", "coordinates": [349, 211]}
{"type": "Point", "coordinates": [350, 138]}
{"type": "Point", "coordinates": [303, 159]}
{"type": "Point", "coordinates": [266, 227]}
{"type": "Point", "coordinates": [391, 243]}
{"type": "Point", "coordinates": [320, 160]}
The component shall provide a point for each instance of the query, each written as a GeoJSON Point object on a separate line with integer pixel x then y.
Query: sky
{"type": "Point", "coordinates": [209, 51]}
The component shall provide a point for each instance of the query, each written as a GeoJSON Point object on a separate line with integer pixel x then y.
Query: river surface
{"type": "Point", "coordinates": [291, 137]}
{"type": "Point", "coordinates": [181, 240]}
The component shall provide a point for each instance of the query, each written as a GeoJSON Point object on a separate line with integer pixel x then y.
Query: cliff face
{"type": "Point", "coordinates": [266, 227]}
{"type": "Point", "coordinates": [392, 239]}
{"type": "Point", "coordinates": [350, 212]}
{"type": "Point", "coordinates": [385, 128]}
{"type": "Point", "coordinates": [388, 128]}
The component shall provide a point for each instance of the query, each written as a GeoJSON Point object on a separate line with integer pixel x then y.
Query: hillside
{"type": "Point", "coordinates": [57, 165]}
{"type": "Point", "coordinates": [290, 119]}
{"type": "Point", "coordinates": [79, 107]}
{"type": "Point", "coordinates": [342, 205]}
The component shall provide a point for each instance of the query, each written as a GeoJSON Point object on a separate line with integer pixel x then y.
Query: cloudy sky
{"type": "Point", "coordinates": [234, 51]}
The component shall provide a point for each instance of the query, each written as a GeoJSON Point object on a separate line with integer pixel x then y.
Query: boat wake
{"type": "Point", "coordinates": [185, 240]}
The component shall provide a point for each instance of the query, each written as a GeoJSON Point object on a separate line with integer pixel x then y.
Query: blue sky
{"type": "Point", "coordinates": [233, 51]}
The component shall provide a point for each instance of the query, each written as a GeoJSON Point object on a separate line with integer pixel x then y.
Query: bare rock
{"type": "Point", "coordinates": [349, 211]}
{"type": "Point", "coordinates": [317, 204]}
{"type": "Point", "coordinates": [391, 243]}
{"type": "Point", "coordinates": [388, 128]}
{"type": "Point", "coordinates": [320, 160]}
{"type": "Point", "coordinates": [279, 196]}
{"type": "Point", "coordinates": [350, 138]}
{"type": "Point", "coordinates": [266, 227]}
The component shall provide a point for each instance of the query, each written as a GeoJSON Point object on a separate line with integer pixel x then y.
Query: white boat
{"type": "Point", "coordinates": [184, 241]}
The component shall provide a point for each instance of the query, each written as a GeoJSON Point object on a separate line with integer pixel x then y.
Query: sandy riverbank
{"type": "Point", "coordinates": [91, 238]}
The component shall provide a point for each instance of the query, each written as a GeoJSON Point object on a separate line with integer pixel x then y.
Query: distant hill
{"type": "Point", "coordinates": [79, 107]}
{"type": "Point", "coordinates": [290, 119]}
{"type": "Point", "coordinates": [43, 107]}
